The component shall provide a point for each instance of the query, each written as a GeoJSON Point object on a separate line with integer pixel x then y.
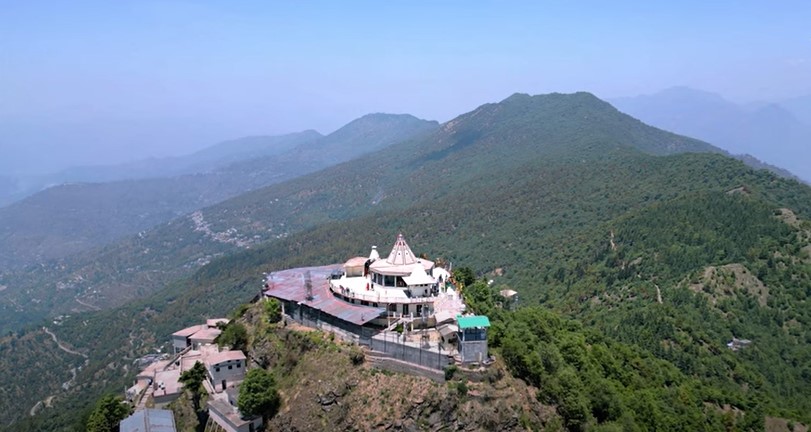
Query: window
{"type": "Point", "coordinates": [364, 303]}
{"type": "Point", "coordinates": [374, 304]}
{"type": "Point", "coordinates": [239, 365]}
{"type": "Point", "coordinates": [392, 307]}
{"type": "Point", "coordinates": [405, 309]}
{"type": "Point", "coordinates": [230, 367]}
{"type": "Point", "coordinates": [217, 369]}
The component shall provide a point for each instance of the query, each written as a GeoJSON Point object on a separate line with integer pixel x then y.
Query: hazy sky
{"type": "Point", "coordinates": [105, 81]}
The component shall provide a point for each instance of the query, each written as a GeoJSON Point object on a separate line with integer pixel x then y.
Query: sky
{"type": "Point", "coordinates": [84, 82]}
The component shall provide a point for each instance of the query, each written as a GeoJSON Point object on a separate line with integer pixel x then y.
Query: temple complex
{"type": "Point", "coordinates": [402, 284]}
{"type": "Point", "coordinates": [403, 308]}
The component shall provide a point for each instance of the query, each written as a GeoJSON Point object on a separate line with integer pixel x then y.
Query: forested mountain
{"type": "Point", "coordinates": [651, 250]}
{"type": "Point", "coordinates": [555, 130]}
{"type": "Point", "coordinates": [63, 220]}
{"type": "Point", "coordinates": [769, 132]}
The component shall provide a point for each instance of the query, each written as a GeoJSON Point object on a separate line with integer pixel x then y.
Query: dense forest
{"type": "Point", "coordinates": [635, 265]}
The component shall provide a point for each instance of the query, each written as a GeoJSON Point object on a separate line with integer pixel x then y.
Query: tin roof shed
{"type": "Point", "coordinates": [149, 420]}
{"type": "Point", "coordinates": [473, 321]}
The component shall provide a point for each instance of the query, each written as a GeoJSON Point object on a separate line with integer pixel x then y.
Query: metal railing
{"type": "Point", "coordinates": [377, 298]}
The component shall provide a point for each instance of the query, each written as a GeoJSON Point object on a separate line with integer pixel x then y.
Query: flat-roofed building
{"type": "Point", "coordinates": [205, 336]}
{"type": "Point", "coordinates": [225, 368]}
{"type": "Point", "coordinates": [222, 409]}
{"type": "Point", "coordinates": [166, 386]}
{"type": "Point", "coordinates": [472, 338]}
{"type": "Point", "coordinates": [180, 338]}
{"type": "Point", "coordinates": [149, 420]}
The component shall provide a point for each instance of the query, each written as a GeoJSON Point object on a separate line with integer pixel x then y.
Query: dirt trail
{"type": "Point", "coordinates": [62, 347]}
{"type": "Point", "coordinates": [87, 304]}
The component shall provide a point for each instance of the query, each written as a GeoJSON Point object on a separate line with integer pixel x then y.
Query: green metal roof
{"type": "Point", "coordinates": [472, 321]}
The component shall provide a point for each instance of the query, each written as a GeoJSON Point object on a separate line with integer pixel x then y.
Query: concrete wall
{"type": "Point", "coordinates": [162, 399]}
{"type": "Point", "coordinates": [411, 354]}
{"type": "Point", "coordinates": [231, 371]}
{"type": "Point", "coordinates": [226, 424]}
{"type": "Point", "coordinates": [309, 317]}
{"type": "Point", "coordinates": [179, 343]}
{"type": "Point", "coordinates": [473, 351]}
{"type": "Point", "coordinates": [382, 361]}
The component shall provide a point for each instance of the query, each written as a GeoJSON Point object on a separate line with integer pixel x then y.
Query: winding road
{"type": "Point", "coordinates": [62, 347]}
{"type": "Point", "coordinates": [47, 401]}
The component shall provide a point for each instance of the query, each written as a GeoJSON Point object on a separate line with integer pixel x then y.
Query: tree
{"type": "Point", "coordinates": [192, 380]}
{"type": "Point", "coordinates": [464, 275]}
{"type": "Point", "coordinates": [258, 395]}
{"type": "Point", "coordinates": [273, 310]}
{"type": "Point", "coordinates": [107, 414]}
{"type": "Point", "coordinates": [235, 335]}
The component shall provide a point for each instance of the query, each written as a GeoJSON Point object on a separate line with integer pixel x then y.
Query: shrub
{"type": "Point", "coordinates": [273, 310]}
{"type": "Point", "coordinates": [356, 356]}
{"type": "Point", "coordinates": [461, 388]}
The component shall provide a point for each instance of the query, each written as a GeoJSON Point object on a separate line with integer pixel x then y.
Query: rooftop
{"type": "Point", "coordinates": [224, 357]}
{"type": "Point", "coordinates": [225, 409]}
{"type": "Point", "coordinates": [170, 379]}
{"type": "Point", "coordinates": [188, 331]}
{"type": "Point", "coordinates": [289, 285]}
{"type": "Point", "coordinates": [214, 321]}
{"type": "Point", "coordinates": [472, 321]}
{"type": "Point", "coordinates": [356, 262]}
{"type": "Point", "coordinates": [149, 420]}
{"type": "Point", "coordinates": [206, 335]}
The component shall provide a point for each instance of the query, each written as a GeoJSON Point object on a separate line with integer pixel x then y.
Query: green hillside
{"type": "Point", "coordinates": [67, 219]}
{"type": "Point", "coordinates": [520, 133]}
{"type": "Point", "coordinates": [561, 195]}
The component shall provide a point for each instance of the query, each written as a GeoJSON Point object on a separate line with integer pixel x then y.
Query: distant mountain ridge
{"type": "Point", "coordinates": [67, 219]}
{"type": "Point", "coordinates": [575, 205]}
{"type": "Point", "coordinates": [551, 130]}
{"type": "Point", "coordinates": [205, 160]}
{"type": "Point", "coordinates": [770, 132]}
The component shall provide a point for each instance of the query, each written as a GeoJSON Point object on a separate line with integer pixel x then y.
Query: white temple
{"type": "Point", "coordinates": [403, 284]}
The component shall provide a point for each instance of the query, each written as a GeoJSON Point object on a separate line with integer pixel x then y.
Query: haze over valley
{"type": "Point", "coordinates": [609, 204]}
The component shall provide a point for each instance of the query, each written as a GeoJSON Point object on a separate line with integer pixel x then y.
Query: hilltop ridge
{"type": "Point", "coordinates": [528, 192]}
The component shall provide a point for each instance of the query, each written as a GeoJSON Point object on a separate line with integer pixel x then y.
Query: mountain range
{"type": "Point", "coordinates": [67, 219]}
{"type": "Point", "coordinates": [659, 244]}
{"type": "Point", "coordinates": [776, 133]}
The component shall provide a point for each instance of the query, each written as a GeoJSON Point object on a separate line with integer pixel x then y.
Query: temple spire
{"type": "Point", "coordinates": [401, 254]}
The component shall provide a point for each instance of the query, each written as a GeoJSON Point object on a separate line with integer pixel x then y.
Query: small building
{"type": "Point", "coordinates": [166, 386]}
{"type": "Point", "coordinates": [224, 412]}
{"type": "Point", "coordinates": [205, 336]}
{"type": "Point", "coordinates": [226, 368]}
{"type": "Point", "coordinates": [510, 297]}
{"type": "Point", "coordinates": [472, 338]}
{"type": "Point", "coordinates": [737, 344]}
{"type": "Point", "coordinates": [149, 420]}
{"type": "Point", "coordinates": [180, 338]}
{"type": "Point", "coordinates": [197, 335]}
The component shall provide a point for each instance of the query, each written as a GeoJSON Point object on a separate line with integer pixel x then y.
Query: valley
{"type": "Point", "coordinates": [606, 227]}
